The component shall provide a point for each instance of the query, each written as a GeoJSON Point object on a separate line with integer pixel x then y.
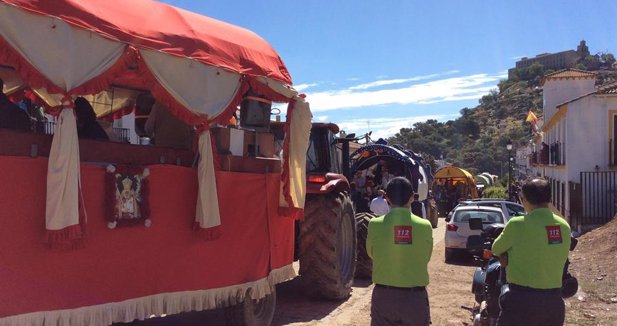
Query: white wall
{"type": "Point", "coordinates": [587, 134]}
{"type": "Point", "coordinates": [559, 91]}
{"type": "Point", "coordinates": [128, 121]}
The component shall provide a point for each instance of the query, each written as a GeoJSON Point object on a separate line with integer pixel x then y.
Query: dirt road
{"type": "Point", "coordinates": [449, 290]}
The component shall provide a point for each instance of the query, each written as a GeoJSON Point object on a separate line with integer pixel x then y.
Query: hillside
{"type": "Point", "coordinates": [476, 140]}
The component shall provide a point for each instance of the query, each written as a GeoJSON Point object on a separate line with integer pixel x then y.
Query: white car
{"type": "Point", "coordinates": [509, 208]}
{"type": "Point", "coordinates": [457, 227]}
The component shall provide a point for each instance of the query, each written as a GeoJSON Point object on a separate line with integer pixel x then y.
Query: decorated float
{"type": "Point", "coordinates": [450, 185]}
{"type": "Point", "coordinates": [96, 232]}
{"type": "Point", "coordinates": [371, 163]}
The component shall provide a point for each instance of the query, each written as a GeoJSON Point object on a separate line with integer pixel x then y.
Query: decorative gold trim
{"type": "Point", "coordinates": [561, 114]}
{"type": "Point", "coordinates": [611, 113]}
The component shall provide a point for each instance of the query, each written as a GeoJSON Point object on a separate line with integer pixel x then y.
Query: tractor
{"type": "Point", "coordinates": [372, 159]}
{"type": "Point", "coordinates": [325, 242]}
{"type": "Point", "coordinates": [330, 240]}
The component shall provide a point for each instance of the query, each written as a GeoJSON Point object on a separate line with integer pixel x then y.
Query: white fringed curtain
{"type": "Point", "coordinates": [206, 91]}
{"type": "Point", "coordinates": [298, 145]}
{"type": "Point", "coordinates": [54, 48]}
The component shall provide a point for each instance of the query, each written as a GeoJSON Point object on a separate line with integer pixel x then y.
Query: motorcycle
{"type": "Point", "coordinates": [489, 280]}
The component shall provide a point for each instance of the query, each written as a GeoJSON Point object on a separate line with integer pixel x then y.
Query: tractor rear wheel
{"type": "Point", "coordinates": [327, 246]}
{"type": "Point", "coordinates": [364, 264]}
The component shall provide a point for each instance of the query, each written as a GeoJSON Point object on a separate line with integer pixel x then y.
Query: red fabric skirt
{"type": "Point", "coordinates": [135, 261]}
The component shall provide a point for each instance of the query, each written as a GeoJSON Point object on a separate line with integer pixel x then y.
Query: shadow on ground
{"type": "Point", "coordinates": [465, 259]}
{"type": "Point", "coordinates": [292, 306]}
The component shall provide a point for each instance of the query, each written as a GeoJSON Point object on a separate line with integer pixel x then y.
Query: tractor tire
{"type": "Point", "coordinates": [327, 246]}
{"type": "Point", "coordinates": [364, 264]}
{"type": "Point", "coordinates": [252, 312]}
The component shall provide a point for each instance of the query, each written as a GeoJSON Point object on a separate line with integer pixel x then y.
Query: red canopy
{"type": "Point", "coordinates": [154, 25]}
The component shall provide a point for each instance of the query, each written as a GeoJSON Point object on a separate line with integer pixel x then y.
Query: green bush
{"type": "Point", "coordinates": [495, 192]}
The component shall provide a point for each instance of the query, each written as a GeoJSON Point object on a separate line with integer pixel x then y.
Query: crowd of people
{"type": "Point", "coordinates": [369, 185]}
{"type": "Point", "coordinates": [14, 116]}
{"type": "Point", "coordinates": [448, 192]}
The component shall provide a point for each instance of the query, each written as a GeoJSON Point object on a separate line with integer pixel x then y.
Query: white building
{"type": "Point", "coordinates": [578, 135]}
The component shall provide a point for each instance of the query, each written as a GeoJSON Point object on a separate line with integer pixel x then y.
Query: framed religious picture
{"type": "Point", "coordinates": [127, 196]}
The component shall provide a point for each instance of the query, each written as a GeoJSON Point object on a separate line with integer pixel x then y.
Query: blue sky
{"type": "Point", "coordinates": [382, 65]}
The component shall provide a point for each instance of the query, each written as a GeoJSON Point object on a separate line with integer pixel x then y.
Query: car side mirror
{"type": "Point", "coordinates": [475, 223]}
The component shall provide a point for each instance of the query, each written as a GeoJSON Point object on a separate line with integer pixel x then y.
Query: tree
{"type": "Point", "coordinates": [535, 70]}
{"type": "Point", "coordinates": [607, 59]}
{"type": "Point", "coordinates": [592, 62]}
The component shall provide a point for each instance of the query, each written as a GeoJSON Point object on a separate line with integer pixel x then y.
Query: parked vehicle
{"type": "Point", "coordinates": [458, 230]}
{"type": "Point", "coordinates": [169, 230]}
{"type": "Point", "coordinates": [489, 280]}
{"type": "Point", "coordinates": [510, 209]}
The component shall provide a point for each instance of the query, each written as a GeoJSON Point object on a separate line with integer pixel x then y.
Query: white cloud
{"type": "Point", "coordinates": [442, 90]}
{"type": "Point", "coordinates": [320, 118]}
{"type": "Point", "coordinates": [301, 87]}
{"type": "Point", "coordinates": [385, 82]}
{"type": "Point", "coordinates": [386, 127]}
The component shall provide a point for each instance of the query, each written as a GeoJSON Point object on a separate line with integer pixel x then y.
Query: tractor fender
{"type": "Point", "coordinates": [335, 183]}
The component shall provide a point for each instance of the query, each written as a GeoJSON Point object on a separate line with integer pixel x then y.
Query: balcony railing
{"type": "Point", "coordinates": [119, 134]}
{"type": "Point", "coordinates": [553, 154]}
{"type": "Point", "coordinates": [122, 134]}
{"type": "Point", "coordinates": [556, 156]}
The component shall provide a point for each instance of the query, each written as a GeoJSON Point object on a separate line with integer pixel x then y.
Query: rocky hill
{"type": "Point", "coordinates": [477, 139]}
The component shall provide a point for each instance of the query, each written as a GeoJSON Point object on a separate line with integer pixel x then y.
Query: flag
{"type": "Point", "coordinates": [531, 118]}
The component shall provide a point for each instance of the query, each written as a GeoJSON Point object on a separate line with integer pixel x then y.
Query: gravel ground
{"type": "Point", "coordinates": [449, 294]}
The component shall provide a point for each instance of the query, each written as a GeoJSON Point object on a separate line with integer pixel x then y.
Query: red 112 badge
{"type": "Point", "coordinates": [553, 234]}
{"type": "Point", "coordinates": [402, 234]}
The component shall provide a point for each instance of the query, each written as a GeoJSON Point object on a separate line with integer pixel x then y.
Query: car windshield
{"type": "Point", "coordinates": [486, 216]}
{"type": "Point", "coordinates": [515, 210]}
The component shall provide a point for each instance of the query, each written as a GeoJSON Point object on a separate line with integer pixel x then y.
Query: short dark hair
{"type": "Point", "coordinates": [399, 190]}
{"type": "Point", "coordinates": [537, 191]}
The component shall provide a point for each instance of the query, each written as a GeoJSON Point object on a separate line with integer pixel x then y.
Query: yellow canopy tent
{"type": "Point", "coordinates": [456, 175]}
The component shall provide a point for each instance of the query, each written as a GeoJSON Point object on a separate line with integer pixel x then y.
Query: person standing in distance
{"type": "Point", "coordinates": [417, 207]}
{"type": "Point", "coordinates": [379, 205]}
{"type": "Point", "coordinates": [400, 245]}
{"type": "Point", "coordinates": [534, 249]}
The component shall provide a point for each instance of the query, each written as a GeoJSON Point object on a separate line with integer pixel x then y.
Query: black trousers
{"type": "Point", "coordinates": [528, 307]}
{"type": "Point", "coordinates": [400, 307]}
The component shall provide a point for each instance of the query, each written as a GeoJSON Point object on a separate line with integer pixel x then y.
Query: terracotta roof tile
{"type": "Point", "coordinates": [608, 88]}
{"type": "Point", "coordinates": [570, 73]}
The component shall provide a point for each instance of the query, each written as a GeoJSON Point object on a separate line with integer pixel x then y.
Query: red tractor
{"type": "Point", "coordinates": [326, 237]}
